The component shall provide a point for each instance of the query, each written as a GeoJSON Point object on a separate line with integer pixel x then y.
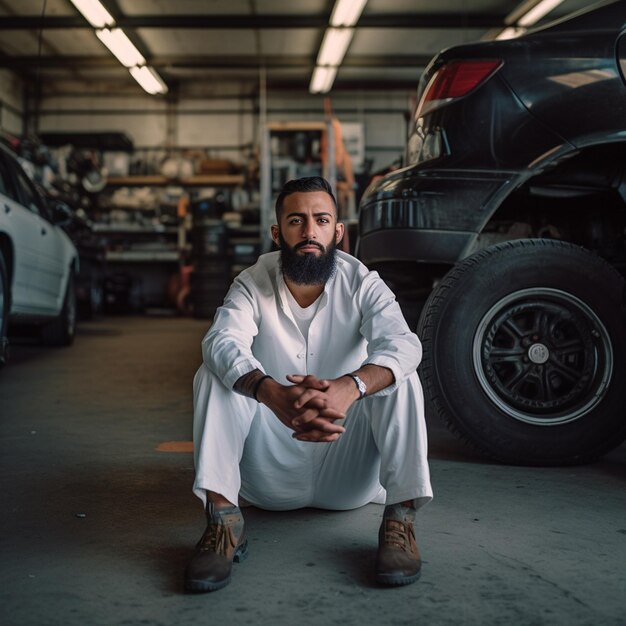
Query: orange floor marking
{"type": "Point", "coordinates": [175, 446]}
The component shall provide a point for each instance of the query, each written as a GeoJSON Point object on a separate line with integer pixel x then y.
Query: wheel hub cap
{"type": "Point", "coordinates": [538, 353]}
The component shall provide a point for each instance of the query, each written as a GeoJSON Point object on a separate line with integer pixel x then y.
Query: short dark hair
{"type": "Point", "coordinates": [306, 184]}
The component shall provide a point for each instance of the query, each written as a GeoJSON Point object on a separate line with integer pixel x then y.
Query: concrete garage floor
{"type": "Point", "coordinates": [97, 522]}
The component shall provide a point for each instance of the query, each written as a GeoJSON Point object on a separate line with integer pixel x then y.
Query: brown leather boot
{"type": "Point", "coordinates": [398, 559]}
{"type": "Point", "coordinates": [223, 542]}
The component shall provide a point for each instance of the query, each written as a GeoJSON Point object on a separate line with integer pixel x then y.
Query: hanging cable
{"type": "Point", "coordinates": [35, 125]}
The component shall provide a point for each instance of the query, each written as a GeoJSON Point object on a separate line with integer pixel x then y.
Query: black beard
{"type": "Point", "coordinates": [308, 269]}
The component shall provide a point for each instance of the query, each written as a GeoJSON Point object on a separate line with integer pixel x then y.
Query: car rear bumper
{"type": "Point", "coordinates": [426, 246]}
{"type": "Point", "coordinates": [428, 216]}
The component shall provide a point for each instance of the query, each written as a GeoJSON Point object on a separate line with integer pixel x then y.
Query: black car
{"type": "Point", "coordinates": [512, 210]}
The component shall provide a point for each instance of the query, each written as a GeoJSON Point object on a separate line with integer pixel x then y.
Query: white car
{"type": "Point", "coordinates": [38, 261]}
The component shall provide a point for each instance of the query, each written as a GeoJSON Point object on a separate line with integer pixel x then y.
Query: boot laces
{"type": "Point", "coordinates": [218, 538]}
{"type": "Point", "coordinates": [399, 534]}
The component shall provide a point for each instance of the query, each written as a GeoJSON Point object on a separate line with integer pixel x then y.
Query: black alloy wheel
{"type": "Point", "coordinates": [524, 352]}
{"type": "Point", "coordinates": [543, 356]}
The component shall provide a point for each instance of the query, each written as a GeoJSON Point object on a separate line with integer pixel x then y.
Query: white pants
{"type": "Point", "coordinates": [242, 448]}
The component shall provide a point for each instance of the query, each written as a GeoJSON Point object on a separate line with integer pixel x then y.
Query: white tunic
{"type": "Point", "coordinates": [242, 449]}
{"type": "Point", "coordinates": [358, 321]}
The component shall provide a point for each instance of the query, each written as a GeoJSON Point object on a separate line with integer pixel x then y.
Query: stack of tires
{"type": "Point", "coordinates": [122, 294]}
{"type": "Point", "coordinates": [211, 275]}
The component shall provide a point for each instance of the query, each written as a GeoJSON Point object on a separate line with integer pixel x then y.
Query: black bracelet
{"type": "Point", "coordinates": [258, 384]}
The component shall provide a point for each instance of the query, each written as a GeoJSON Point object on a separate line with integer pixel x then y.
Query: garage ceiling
{"type": "Point", "coordinates": [194, 44]}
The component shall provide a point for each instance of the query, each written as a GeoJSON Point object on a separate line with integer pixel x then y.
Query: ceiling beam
{"type": "Point", "coordinates": [206, 62]}
{"type": "Point", "coordinates": [386, 20]}
{"type": "Point", "coordinates": [115, 89]}
{"type": "Point", "coordinates": [348, 85]}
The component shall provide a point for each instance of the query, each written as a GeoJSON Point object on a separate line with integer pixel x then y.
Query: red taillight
{"type": "Point", "coordinates": [453, 80]}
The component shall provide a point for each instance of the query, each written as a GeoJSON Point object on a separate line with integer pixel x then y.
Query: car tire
{"type": "Point", "coordinates": [524, 352]}
{"type": "Point", "coordinates": [4, 312]}
{"type": "Point", "coordinates": [91, 304]}
{"type": "Point", "coordinates": [61, 331]}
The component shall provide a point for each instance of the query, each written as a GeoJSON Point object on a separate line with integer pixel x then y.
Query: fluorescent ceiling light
{"type": "Point", "coordinates": [336, 40]}
{"type": "Point", "coordinates": [511, 32]}
{"type": "Point", "coordinates": [94, 13]}
{"type": "Point", "coordinates": [531, 11]}
{"type": "Point", "coordinates": [538, 11]}
{"type": "Point", "coordinates": [346, 12]}
{"type": "Point", "coordinates": [334, 46]}
{"type": "Point", "coordinates": [121, 46]}
{"type": "Point", "coordinates": [322, 79]}
{"type": "Point", "coordinates": [149, 80]}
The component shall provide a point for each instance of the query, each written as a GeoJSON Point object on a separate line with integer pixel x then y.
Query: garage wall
{"type": "Point", "coordinates": [227, 126]}
{"type": "Point", "coordinates": [11, 103]}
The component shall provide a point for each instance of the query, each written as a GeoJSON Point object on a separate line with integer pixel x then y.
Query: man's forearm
{"type": "Point", "coordinates": [248, 385]}
{"type": "Point", "coordinates": [375, 377]}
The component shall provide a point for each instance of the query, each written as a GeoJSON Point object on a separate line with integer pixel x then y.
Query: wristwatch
{"type": "Point", "coordinates": [360, 385]}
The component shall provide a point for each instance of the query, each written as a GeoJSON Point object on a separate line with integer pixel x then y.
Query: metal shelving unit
{"type": "Point", "coordinates": [292, 150]}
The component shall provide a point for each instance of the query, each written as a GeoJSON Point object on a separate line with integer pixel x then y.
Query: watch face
{"type": "Point", "coordinates": [361, 385]}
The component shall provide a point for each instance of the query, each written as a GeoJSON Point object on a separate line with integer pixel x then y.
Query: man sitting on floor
{"type": "Point", "coordinates": [308, 396]}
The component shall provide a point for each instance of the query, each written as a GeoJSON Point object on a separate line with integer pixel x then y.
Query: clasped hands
{"type": "Point", "coordinates": [310, 406]}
